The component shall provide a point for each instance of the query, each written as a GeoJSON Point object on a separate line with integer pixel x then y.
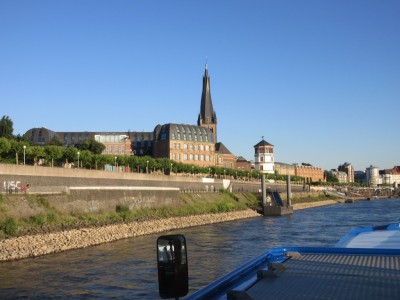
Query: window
{"type": "Point", "coordinates": [185, 157]}
{"type": "Point", "coordinates": [202, 147]}
{"type": "Point", "coordinates": [185, 146]}
{"type": "Point", "coordinates": [196, 157]}
{"type": "Point", "coordinates": [191, 156]}
{"type": "Point", "coordinates": [173, 136]}
{"type": "Point", "coordinates": [191, 147]}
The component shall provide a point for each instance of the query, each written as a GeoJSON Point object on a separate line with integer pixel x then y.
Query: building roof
{"type": "Point", "coordinates": [220, 148]}
{"type": "Point", "coordinates": [241, 159]}
{"type": "Point", "coordinates": [263, 143]}
{"type": "Point", "coordinates": [206, 107]}
{"type": "Point", "coordinates": [184, 132]}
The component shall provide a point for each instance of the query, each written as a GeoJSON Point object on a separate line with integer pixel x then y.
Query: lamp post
{"type": "Point", "coordinates": [170, 170]}
{"type": "Point", "coordinates": [147, 167]}
{"type": "Point", "coordinates": [115, 163]}
{"type": "Point", "coordinates": [24, 146]}
{"type": "Point", "coordinates": [78, 158]}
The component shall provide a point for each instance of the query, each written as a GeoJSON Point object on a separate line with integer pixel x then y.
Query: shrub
{"type": "Point", "coordinates": [121, 208]}
{"type": "Point", "coordinates": [9, 226]}
{"type": "Point", "coordinates": [52, 217]}
{"type": "Point", "coordinates": [43, 202]}
{"type": "Point", "coordinates": [39, 219]}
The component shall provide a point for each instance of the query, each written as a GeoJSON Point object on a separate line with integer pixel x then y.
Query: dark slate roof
{"type": "Point", "coordinates": [206, 106]}
{"type": "Point", "coordinates": [241, 159]}
{"type": "Point", "coordinates": [220, 148]}
{"type": "Point", "coordinates": [193, 133]}
{"type": "Point", "coordinates": [263, 143]}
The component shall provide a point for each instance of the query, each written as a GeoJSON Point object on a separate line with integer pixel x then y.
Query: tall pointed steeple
{"type": "Point", "coordinates": [207, 117]}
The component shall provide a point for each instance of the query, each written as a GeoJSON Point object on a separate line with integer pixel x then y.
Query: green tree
{"type": "Point", "coordinates": [330, 177]}
{"type": "Point", "coordinates": [86, 158]}
{"type": "Point", "coordinates": [17, 149]}
{"type": "Point", "coordinates": [5, 146]}
{"type": "Point", "coordinates": [53, 153]}
{"type": "Point", "coordinates": [55, 140]}
{"type": "Point", "coordinates": [37, 153]}
{"type": "Point", "coordinates": [93, 146]}
{"type": "Point", "coordinates": [6, 127]}
{"type": "Point", "coordinates": [70, 155]}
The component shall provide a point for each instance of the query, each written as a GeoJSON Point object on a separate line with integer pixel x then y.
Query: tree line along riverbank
{"type": "Point", "coordinates": [42, 230]}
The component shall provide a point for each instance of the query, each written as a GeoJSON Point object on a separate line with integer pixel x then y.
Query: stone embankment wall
{"type": "Point", "coordinates": [36, 245]}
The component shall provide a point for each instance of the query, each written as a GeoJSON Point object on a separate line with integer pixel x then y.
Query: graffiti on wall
{"type": "Point", "coordinates": [15, 187]}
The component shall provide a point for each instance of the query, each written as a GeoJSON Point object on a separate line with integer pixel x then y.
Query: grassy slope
{"type": "Point", "coordinates": [41, 217]}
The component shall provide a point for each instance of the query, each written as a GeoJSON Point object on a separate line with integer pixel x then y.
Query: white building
{"type": "Point", "coordinates": [372, 176]}
{"type": "Point", "coordinates": [264, 157]}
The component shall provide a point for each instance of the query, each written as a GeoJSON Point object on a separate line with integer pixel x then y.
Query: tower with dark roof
{"type": "Point", "coordinates": [264, 157]}
{"type": "Point", "coordinates": [207, 117]}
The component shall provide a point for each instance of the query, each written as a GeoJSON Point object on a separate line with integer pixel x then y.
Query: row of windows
{"type": "Point", "coordinates": [110, 138]}
{"type": "Point", "coordinates": [191, 147]}
{"type": "Point", "coordinates": [142, 143]}
{"type": "Point", "coordinates": [182, 129]}
{"type": "Point", "coordinates": [177, 157]}
{"type": "Point", "coordinates": [73, 135]}
{"type": "Point", "coordinates": [114, 150]}
{"type": "Point", "coordinates": [185, 137]}
{"type": "Point", "coordinates": [135, 137]}
{"type": "Point", "coordinates": [267, 150]}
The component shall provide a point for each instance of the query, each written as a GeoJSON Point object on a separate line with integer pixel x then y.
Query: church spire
{"type": "Point", "coordinates": [207, 117]}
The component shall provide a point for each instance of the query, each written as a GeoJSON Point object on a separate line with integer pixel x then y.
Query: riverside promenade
{"type": "Point", "coordinates": [42, 244]}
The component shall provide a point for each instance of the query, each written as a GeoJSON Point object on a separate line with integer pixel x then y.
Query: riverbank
{"type": "Point", "coordinates": [42, 244]}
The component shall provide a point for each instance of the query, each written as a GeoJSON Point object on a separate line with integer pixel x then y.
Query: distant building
{"type": "Point", "coordinates": [224, 158]}
{"type": "Point", "coordinates": [188, 144]}
{"type": "Point", "coordinates": [142, 142]}
{"type": "Point", "coordinates": [315, 174]}
{"type": "Point", "coordinates": [360, 176]}
{"type": "Point", "coordinates": [243, 164]}
{"type": "Point", "coordinates": [340, 175]}
{"type": "Point", "coordinates": [372, 176]}
{"type": "Point", "coordinates": [264, 157]}
{"type": "Point", "coordinates": [391, 176]}
{"type": "Point", "coordinates": [116, 143]}
{"type": "Point", "coordinates": [285, 169]}
{"type": "Point", "coordinates": [349, 170]}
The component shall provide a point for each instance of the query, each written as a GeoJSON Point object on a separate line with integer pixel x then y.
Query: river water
{"type": "Point", "coordinates": [126, 269]}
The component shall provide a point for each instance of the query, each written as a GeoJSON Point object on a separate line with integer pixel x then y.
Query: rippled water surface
{"type": "Point", "coordinates": [126, 269]}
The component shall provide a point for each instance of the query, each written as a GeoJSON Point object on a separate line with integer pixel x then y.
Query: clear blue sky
{"type": "Point", "coordinates": [320, 80]}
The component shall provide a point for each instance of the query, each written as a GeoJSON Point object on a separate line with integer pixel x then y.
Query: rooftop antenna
{"type": "Point", "coordinates": [206, 63]}
{"type": "Point", "coordinates": [262, 137]}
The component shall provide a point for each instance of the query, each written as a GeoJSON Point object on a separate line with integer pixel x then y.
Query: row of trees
{"type": "Point", "coordinates": [88, 155]}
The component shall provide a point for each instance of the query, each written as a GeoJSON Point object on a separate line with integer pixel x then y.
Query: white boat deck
{"type": "Point", "coordinates": [328, 276]}
{"type": "Point", "coordinates": [386, 238]}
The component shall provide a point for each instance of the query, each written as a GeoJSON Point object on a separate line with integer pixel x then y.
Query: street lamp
{"type": "Point", "coordinates": [115, 162]}
{"type": "Point", "coordinates": [78, 159]}
{"type": "Point", "coordinates": [147, 167]}
{"type": "Point", "coordinates": [24, 146]}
